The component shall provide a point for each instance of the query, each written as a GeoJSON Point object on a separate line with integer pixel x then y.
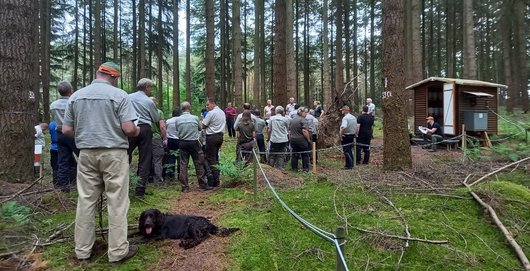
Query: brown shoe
{"type": "Point", "coordinates": [133, 249]}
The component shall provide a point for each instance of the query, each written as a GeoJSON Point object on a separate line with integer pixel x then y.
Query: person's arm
{"type": "Point", "coordinates": [163, 130]}
{"type": "Point", "coordinates": [68, 130]}
{"type": "Point", "coordinates": [307, 135]}
{"type": "Point", "coordinates": [268, 133]}
{"type": "Point", "coordinates": [128, 128]}
{"type": "Point", "coordinates": [357, 129]}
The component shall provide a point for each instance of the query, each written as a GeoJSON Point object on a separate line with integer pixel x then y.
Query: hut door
{"type": "Point", "coordinates": [449, 109]}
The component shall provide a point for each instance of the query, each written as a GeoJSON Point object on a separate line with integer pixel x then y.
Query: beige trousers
{"type": "Point", "coordinates": [98, 171]}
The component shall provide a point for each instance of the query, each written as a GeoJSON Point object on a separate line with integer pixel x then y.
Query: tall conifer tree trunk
{"type": "Point", "coordinates": [292, 91]}
{"type": "Point", "coordinates": [76, 47]}
{"type": "Point", "coordinates": [396, 152]}
{"type": "Point", "coordinates": [280, 56]}
{"type": "Point", "coordinates": [160, 55]}
{"type": "Point", "coordinates": [521, 59]}
{"type": "Point", "coordinates": [470, 59]}
{"type": "Point", "coordinates": [18, 87]}
{"type": "Point", "coordinates": [236, 57]}
{"type": "Point", "coordinates": [176, 73]}
{"type": "Point", "coordinates": [142, 68]}
{"type": "Point", "coordinates": [210, 50]}
{"type": "Point", "coordinates": [326, 80]}
{"type": "Point", "coordinates": [98, 59]}
{"type": "Point", "coordinates": [188, 51]}
{"type": "Point", "coordinates": [45, 35]}
{"type": "Point", "coordinates": [257, 87]}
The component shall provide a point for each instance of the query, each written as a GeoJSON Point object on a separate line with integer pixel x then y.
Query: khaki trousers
{"type": "Point", "coordinates": [98, 171]}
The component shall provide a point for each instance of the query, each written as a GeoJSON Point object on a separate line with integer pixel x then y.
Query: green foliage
{"type": "Point", "coordinates": [235, 173]}
{"type": "Point", "coordinates": [133, 182]}
{"type": "Point", "coordinates": [11, 210]}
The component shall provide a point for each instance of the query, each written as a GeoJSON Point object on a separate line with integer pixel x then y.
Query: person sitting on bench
{"type": "Point", "coordinates": [434, 133]}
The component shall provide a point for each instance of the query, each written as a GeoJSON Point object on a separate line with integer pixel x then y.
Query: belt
{"type": "Point", "coordinates": [220, 133]}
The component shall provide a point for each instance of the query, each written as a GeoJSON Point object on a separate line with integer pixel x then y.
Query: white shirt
{"type": "Point", "coordinates": [215, 121]}
{"type": "Point", "coordinates": [39, 136]}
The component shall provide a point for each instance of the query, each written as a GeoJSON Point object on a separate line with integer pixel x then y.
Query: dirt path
{"type": "Point", "coordinates": [209, 255]}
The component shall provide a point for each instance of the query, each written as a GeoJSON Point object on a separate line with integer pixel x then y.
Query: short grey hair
{"type": "Point", "coordinates": [279, 109]}
{"type": "Point", "coordinates": [302, 109]}
{"type": "Point", "coordinates": [185, 106]}
{"type": "Point", "coordinates": [64, 87]}
{"type": "Point", "coordinates": [144, 83]}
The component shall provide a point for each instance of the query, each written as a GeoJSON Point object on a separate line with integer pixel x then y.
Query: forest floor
{"type": "Point", "coordinates": [440, 173]}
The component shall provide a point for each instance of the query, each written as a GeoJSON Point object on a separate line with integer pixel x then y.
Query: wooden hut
{"type": "Point", "coordinates": [454, 102]}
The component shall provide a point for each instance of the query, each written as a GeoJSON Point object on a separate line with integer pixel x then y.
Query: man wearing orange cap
{"type": "Point", "coordinates": [434, 133]}
{"type": "Point", "coordinates": [348, 127]}
{"type": "Point", "coordinates": [100, 117]}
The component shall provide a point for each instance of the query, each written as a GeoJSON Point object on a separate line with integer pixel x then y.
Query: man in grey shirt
{"type": "Point", "coordinates": [188, 134]}
{"type": "Point", "coordinates": [101, 116]}
{"type": "Point", "coordinates": [278, 134]}
{"type": "Point", "coordinates": [214, 124]}
{"type": "Point", "coordinates": [147, 114]}
{"type": "Point", "coordinates": [347, 131]}
{"type": "Point", "coordinates": [66, 145]}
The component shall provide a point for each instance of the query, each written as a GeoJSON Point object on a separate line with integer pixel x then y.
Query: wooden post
{"type": "Point", "coordinates": [354, 146]}
{"type": "Point", "coordinates": [255, 171]}
{"type": "Point", "coordinates": [314, 157]}
{"type": "Point", "coordinates": [526, 135]}
{"type": "Point", "coordinates": [340, 233]}
{"type": "Point", "coordinates": [464, 141]}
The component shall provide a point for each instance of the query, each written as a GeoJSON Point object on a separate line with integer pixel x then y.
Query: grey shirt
{"type": "Point", "coordinates": [188, 126]}
{"type": "Point", "coordinates": [238, 119]}
{"type": "Point", "coordinates": [57, 109]}
{"type": "Point", "coordinates": [215, 121]}
{"type": "Point", "coordinates": [279, 127]}
{"type": "Point", "coordinates": [145, 108]}
{"type": "Point", "coordinates": [171, 128]}
{"type": "Point", "coordinates": [313, 123]}
{"type": "Point", "coordinates": [96, 113]}
{"type": "Point", "coordinates": [260, 124]}
{"type": "Point", "coordinates": [349, 122]}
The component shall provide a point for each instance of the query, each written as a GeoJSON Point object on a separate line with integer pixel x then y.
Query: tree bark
{"type": "Point", "coordinates": [45, 33]}
{"type": "Point", "coordinates": [292, 91]}
{"type": "Point", "coordinates": [521, 59]}
{"type": "Point", "coordinates": [327, 97]}
{"type": "Point", "coordinates": [18, 88]}
{"type": "Point", "coordinates": [76, 47]}
{"type": "Point", "coordinates": [236, 47]}
{"type": "Point", "coordinates": [160, 56]}
{"type": "Point", "coordinates": [98, 59]}
{"type": "Point", "coordinates": [470, 59]}
{"type": "Point", "coordinates": [188, 52]}
{"type": "Point", "coordinates": [257, 92]}
{"type": "Point", "coordinates": [280, 53]}
{"type": "Point", "coordinates": [209, 75]}
{"type": "Point", "coordinates": [176, 65]}
{"type": "Point", "coordinates": [142, 71]}
{"type": "Point", "coordinates": [396, 152]}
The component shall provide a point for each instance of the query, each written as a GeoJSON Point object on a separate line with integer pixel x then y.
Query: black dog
{"type": "Point", "coordinates": [192, 230]}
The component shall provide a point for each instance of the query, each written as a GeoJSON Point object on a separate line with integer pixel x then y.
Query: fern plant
{"type": "Point", "coordinates": [11, 210]}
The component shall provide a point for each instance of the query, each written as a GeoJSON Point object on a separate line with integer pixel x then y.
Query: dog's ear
{"type": "Point", "coordinates": [141, 222]}
{"type": "Point", "coordinates": [159, 218]}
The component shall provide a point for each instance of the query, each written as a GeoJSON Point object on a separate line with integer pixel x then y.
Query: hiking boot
{"type": "Point", "coordinates": [133, 249]}
{"type": "Point", "coordinates": [205, 187]}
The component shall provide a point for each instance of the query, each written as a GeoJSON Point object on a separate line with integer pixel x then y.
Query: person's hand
{"type": "Point", "coordinates": [165, 142]}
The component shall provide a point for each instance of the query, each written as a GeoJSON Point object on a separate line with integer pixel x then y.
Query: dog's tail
{"type": "Point", "coordinates": [226, 231]}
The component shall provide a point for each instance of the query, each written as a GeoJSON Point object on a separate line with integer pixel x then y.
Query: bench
{"type": "Point", "coordinates": [449, 143]}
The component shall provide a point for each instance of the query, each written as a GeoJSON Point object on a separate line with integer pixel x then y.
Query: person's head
{"type": "Point", "coordinates": [345, 110]}
{"type": "Point", "coordinates": [368, 100]}
{"type": "Point", "coordinates": [145, 85]}
{"type": "Point", "coordinates": [246, 118]}
{"type": "Point", "coordinates": [365, 109]}
{"type": "Point", "coordinates": [177, 112]}
{"type": "Point", "coordinates": [291, 100]}
{"type": "Point", "coordinates": [210, 104]}
{"type": "Point", "coordinates": [279, 110]}
{"type": "Point", "coordinates": [316, 103]}
{"type": "Point", "coordinates": [302, 111]}
{"type": "Point", "coordinates": [269, 102]}
{"type": "Point", "coordinates": [246, 106]}
{"type": "Point", "coordinates": [64, 88]}
{"type": "Point", "coordinates": [273, 111]}
{"type": "Point", "coordinates": [229, 104]}
{"type": "Point", "coordinates": [43, 126]}
{"type": "Point", "coordinates": [430, 120]}
{"type": "Point", "coordinates": [185, 106]}
{"type": "Point", "coordinates": [256, 113]}
{"type": "Point", "coordinates": [296, 106]}
{"type": "Point", "coordinates": [110, 72]}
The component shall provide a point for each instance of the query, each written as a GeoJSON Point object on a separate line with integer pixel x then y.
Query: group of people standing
{"type": "Point", "coordinates": [359, 129]}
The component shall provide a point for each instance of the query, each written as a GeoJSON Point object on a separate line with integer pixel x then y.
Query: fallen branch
{"type": "Point", "coordinates": [21, 191]}
{"type": "Point", "coordinates": [405, 226]}
{"type": "Point", "coordinates": [402, 237]}
{"type": "Point", "coordinates": [29, 193]}
{"type": "Point", "coordinates": [55, 234]}
{"type": "Point", "coordinates": [496, 171]}
{"type": "Point", "coordinates": [518, 250]}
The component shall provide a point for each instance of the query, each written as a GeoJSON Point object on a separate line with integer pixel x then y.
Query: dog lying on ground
{"type": "Point", "coordinates": [192, 230]}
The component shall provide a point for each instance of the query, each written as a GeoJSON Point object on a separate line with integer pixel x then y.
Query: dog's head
{"type": "Point", "coordinates": [150, 222]}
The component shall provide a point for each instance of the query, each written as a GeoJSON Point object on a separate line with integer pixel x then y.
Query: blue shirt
{"type": "Point", "coordinates": [53, 135]}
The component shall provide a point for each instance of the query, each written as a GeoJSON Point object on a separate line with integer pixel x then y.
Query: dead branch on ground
{"type": "Point", "coordinates": [401, 237]}
{"type": "Point", "coordinates": [496, 171]}
{"type": "Point", "coordinates": [518, 250]}
{"type": "Point", "coordinates": [21, 191]}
